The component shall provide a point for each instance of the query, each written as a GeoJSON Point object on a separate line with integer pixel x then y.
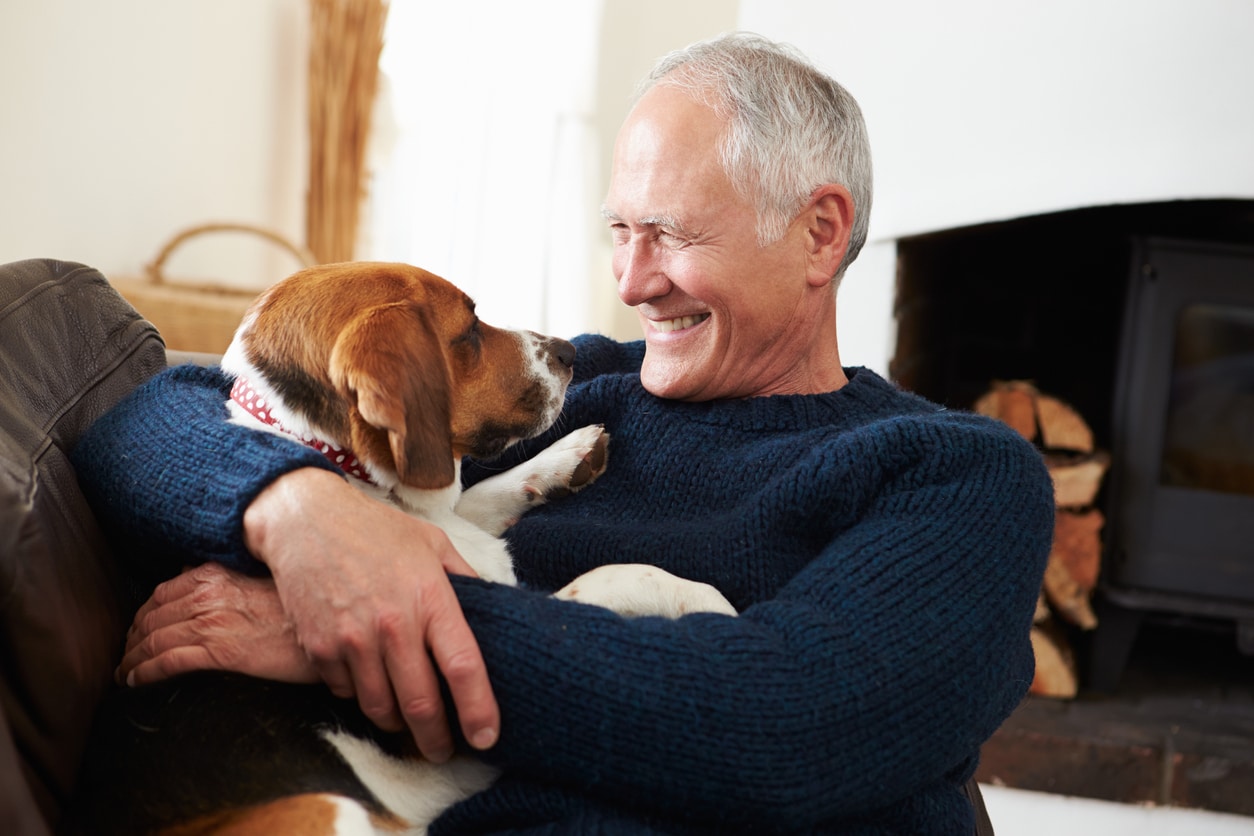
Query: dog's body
{"type": "Point", "coordinates": [385, 369]}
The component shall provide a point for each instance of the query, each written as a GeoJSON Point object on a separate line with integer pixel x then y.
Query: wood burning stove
{"type": "Point", "coordinates": [1142, 318]}
{"type": "Point", "coordinates": [1180, 521]}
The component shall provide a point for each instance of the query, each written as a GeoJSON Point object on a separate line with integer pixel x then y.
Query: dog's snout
{"type": "Point", "coordinates": [564, 352]}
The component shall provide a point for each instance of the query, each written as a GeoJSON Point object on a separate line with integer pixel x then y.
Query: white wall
{"type": "Point", "coordinates": [122, 122]}
{"type": "Point", "coordinates": [984, 110]}
{"type": "Point", "coordinates": [125, 121]}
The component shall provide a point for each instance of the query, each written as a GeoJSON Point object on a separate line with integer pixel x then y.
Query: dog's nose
{"type": "Point", "coordinates": [565, 353]}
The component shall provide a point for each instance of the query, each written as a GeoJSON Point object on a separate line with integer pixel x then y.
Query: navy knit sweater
{"type": "Point", "coordinates": [885, 555]}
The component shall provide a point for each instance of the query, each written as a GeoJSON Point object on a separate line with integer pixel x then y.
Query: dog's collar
{"type": "Point", "coordinates": [255, 405]}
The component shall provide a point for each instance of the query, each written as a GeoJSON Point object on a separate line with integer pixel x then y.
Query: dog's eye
{"type": "Point", "coordinates": [471, 336]}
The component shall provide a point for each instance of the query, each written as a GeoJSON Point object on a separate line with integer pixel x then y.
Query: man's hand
{"type": "Point", "coordinates": [211, 617]}
{"type": "Point", "coordinates": [366, 588]}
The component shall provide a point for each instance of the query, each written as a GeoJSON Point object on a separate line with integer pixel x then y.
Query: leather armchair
{"type": "Point", "coordinates": [70, 348]}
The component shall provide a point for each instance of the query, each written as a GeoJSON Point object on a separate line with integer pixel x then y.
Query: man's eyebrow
{"type": "Point", "coordinates": [668, 221]}
{"type": "Point", "coordinates": [665, 221]}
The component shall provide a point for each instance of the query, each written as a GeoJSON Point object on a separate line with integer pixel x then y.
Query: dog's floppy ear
{"type": "Point", "coordinates": [389, 364]}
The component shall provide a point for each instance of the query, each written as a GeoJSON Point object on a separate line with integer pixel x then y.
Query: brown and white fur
{"type": "Point", "coordinates": [390, 362]}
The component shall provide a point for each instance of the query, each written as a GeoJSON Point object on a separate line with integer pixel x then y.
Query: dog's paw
{"type": "Point", "coordinates": [635, 589]}
{"type": "Point", "coordinates": [567, 465]}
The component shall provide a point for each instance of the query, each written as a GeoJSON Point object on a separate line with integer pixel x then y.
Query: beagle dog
{"type": "Point", "coordinates": [386, 370]}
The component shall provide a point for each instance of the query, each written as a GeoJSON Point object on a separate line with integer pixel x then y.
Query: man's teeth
{"type": "Point", "coordinates": [668, 325]}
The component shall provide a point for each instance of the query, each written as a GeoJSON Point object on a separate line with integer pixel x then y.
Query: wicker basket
{"type": "Point", "coordinates": [197, 317]}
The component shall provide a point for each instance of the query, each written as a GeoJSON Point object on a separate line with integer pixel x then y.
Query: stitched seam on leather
{"type": "Point", "coordinates": [140, 327]}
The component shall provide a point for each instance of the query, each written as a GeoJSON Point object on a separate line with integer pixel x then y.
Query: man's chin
{"type": "Point", "coordinates": [669, 380]}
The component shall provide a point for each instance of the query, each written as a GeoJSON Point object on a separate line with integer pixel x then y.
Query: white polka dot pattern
{"type": "Point", "coordinates": [246, 396]}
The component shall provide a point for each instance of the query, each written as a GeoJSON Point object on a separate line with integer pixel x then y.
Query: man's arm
{"type": "Point", "coordinates": [169, 478]}
{"type": "Point", "coordinates": [874, 674]}
{"type": "Point", "coordinates": [365, 585]}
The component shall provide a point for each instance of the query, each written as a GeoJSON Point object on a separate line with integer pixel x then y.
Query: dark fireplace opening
{"type": "Point", "coordinates": [1120, 311]}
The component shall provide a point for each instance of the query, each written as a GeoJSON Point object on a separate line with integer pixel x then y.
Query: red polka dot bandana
{"type": "Point", "coordinates": [247, 397]}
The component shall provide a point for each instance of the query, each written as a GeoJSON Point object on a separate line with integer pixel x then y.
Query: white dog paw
{"type": "Point", "coordinates": [567, 465]}
{"type": "Point", "coordinates": [635, 589]}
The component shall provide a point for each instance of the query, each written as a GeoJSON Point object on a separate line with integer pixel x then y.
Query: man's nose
{"type": "Point", "coordinates": [639, 273]}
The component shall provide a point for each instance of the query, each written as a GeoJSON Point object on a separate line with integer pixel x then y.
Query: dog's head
{"type": "Point", "coordinates": [391, 360]}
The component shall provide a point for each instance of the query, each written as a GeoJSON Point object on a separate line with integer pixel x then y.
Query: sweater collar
{"type": "Point", "coordinates": [866, 396]}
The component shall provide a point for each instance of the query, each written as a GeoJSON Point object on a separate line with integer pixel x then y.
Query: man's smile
{"type": "Point", "coordinates": [666, 326]}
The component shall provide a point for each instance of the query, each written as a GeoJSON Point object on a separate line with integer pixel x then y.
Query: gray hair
{"type": "Point", "coordinates": [790, 127]}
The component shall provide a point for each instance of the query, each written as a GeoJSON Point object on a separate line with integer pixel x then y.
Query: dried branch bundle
{"type": "Point", "coordinates": [346, 40]}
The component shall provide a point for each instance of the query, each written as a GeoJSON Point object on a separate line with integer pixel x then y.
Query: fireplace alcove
{"type": "Point", "coordinates": [1056, 299]}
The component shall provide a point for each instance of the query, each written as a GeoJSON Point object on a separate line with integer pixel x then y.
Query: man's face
{"type": "Point", "coordinates": [722, 316]}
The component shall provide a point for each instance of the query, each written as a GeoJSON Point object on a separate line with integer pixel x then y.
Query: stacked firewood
{"type": "Point", "coordinates": [1077, 469]}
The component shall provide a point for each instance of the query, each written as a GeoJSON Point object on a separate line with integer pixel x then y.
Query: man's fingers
{"type": "Point", "coordinates": [173, 662]}
{"type": "Point", "coordinates": [175, 636]}
{"type": "Point", "coordinates": [187, 582]}
{"type": "Point", "coordinates": [459, 659]}
{"type": "Point", "coordinates": [156, 612]}
{"type": "Point", "coordinates": [176, 587]}
{"type": "Point", "coordinates": [374, 692]}
{"type": "Point", "coordinates": [417, 689]}
{"type": "Point", "coordinates": [337, 677]}
{"type": "Point", "coordinates": [181, 598]}
{"type": "Point", "coordinates": [477, 710]}
{"type": "Point", "coordinates": [150, 620]}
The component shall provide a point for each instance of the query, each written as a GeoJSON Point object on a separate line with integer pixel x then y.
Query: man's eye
{"type": "Point", "coordinates": [670, 239]}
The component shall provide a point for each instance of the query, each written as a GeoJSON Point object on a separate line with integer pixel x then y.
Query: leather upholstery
{"type": "Point", "coordinates": [70, 348]}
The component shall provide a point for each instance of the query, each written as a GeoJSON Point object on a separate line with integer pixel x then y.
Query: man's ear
{"type": "Point", "coordinates": [829, 224]}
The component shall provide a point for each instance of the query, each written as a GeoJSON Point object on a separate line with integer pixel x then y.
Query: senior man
{"type": "Point", "coordinates": [884, 554]}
